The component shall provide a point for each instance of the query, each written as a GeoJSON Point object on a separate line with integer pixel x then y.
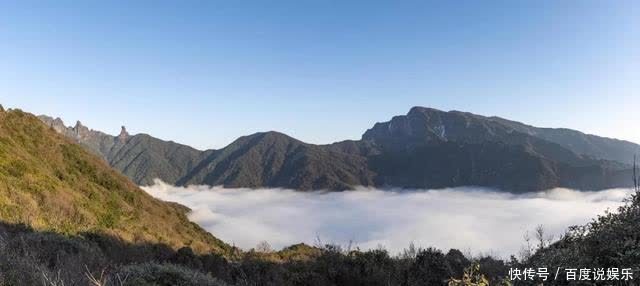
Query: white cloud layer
{"type": "Point", "coordinates": [470, 219]}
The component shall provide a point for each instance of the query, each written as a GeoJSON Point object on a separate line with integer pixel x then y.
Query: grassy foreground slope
{"type": "Point", "coordinates": [52, 184]}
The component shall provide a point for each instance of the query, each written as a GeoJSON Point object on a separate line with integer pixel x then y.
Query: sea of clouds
{"type": "Point", "coordinates": [474, 220]}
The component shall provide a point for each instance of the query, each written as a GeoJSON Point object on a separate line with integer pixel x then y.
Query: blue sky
{"type": "Point", "coordinates": [205, 72]}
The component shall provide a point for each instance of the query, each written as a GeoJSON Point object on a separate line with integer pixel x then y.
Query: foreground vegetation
{"type": "Point", "coordinates": [29, 257]}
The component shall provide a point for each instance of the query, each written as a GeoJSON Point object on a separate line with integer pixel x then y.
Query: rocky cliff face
{"type": "Point", "coordinates": [426, 148]}
{"type": "Point", "coordinates": [97, 142]}
{"type": "Point", "coordinates": [140, 157]}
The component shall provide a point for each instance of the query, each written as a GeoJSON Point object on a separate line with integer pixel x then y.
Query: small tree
{"type": "Point", "coordinates": [471, 277]}
{"type": "Point", "coordinates": [264, 247]}
{"type": "Point", "coordinates": [636, 179]}
{"type": "Point", "coordinates": [411, 252]}
{"type": "Point", "coordinates": [542, 238]}
{"type": "Point", "coordinates": [527, 250]}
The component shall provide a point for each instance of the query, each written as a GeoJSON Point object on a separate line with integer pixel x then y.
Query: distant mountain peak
{"type": "Point", "coordinates": [422, 109]}
{"type": "Point", "coordinates": [266, 136]}
{"type": "Point", "coordinates": [275, 135]}
{"type": "Point", "coordinates": [81, 131]}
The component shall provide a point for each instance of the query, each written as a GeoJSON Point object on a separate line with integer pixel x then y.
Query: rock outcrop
{"type": "Point", "coordinates": [140, 157]}
{"type": "Point", "coordinates": [123, 136]}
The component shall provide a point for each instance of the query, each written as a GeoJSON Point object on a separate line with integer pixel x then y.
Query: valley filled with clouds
{"type": "Point", "coordinates": [474, 220]}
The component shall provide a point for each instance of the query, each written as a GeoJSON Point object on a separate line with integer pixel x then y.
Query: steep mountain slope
{"type": "Point", "coordinates": [140, 157]}
{"type": "Point", "coordinates": [53, 184]}
{"type": "Point", "coordinates": [275, 160]}
{"type": "Point", "coordinates": [144, 158]}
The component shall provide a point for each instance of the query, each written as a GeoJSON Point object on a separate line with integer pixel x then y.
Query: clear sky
{"type": "Point", "coordinates": [205, 72]}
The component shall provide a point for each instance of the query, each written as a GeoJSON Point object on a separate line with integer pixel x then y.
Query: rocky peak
{"type": "Point", "coordinates": [424, 110]}
{"type": "Point", "coordinates": [124, 135]}
{"type": "Point", "coordinates": [80, 130]}
{"type": "Point", "coordinates": [1, 108]}
{"type": "Point", "coordinates": [420, 125]}
{"type": "Point", "coordinates": [79, 126]}
{"type": "Point", "coordinates": [58, 125]}
{"type": "Point", "coordinates": [57, 122]}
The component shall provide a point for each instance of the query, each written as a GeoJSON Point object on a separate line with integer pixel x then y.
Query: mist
{"type": "Point", "coordinates": [474, 220]}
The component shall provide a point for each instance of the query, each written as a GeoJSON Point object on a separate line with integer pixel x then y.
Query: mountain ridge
{"type": "Point", "coordinates": [141, 157]}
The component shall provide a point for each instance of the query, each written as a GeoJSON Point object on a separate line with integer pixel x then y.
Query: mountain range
{"type": "Point", "coordinates": [426, 148]}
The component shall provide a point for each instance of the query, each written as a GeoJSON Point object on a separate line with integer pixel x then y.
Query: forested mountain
{"type": "Point", "coordinates": [277, 160]}
{"type": "Point", "coordinates": [427, 148]}
{"type": "Point", "coordinates": [431, 148]}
